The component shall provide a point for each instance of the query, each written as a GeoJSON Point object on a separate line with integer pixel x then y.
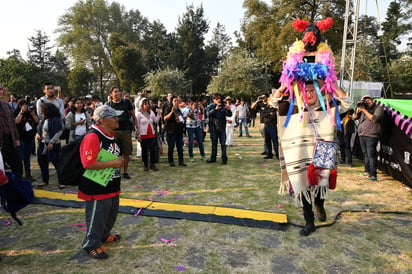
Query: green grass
{"type": "Point", "coordinates": [357, 243]}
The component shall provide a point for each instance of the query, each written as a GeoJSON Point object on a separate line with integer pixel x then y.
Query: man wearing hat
{"type": "Point", "coordinates": [370, 116]}
{"type": "Point", "coordinates": [230, 121]}
{"type": "Point", "coordinates": [102, 202]}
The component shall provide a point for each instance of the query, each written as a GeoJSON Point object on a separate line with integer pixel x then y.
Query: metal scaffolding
{"type": "Point", "coordinates": [350, 33]}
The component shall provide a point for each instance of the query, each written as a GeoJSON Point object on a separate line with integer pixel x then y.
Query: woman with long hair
{"type": "Point", "coordinates": [49, 131]}
{"type": "Point", "coordinates": [146, 135]}
{"type": "Point", "coordinates": [78, 120]}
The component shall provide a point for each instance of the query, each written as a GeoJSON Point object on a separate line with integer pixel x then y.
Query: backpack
{"type": "Point", "coordinates": [69, 166]}
{"type": "Point", "coordinates": [15, 195]}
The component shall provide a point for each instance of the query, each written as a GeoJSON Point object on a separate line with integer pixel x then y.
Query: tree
{"type": "Point", "coordinates": [21, 77]}
{"type": "Point", "coordinates": [127, 64]}
{"type": "Point", "coordinates": [367, 62]}
{"type": "Point", "coordinates": [59, 70]}
{"type": "Point", "coordinates": [241, 76]}
{"type": "Point", "coordinates": [40, 52]}
{"type": "Point", "coordinates": [268, 32]}
{"type": "Point", "coordinates": [165, 80]}
{"type": "Point", "coordinates": [160, 49]}
{"type": "Point", "coordinates": [80, 81]}
{"type": "Point", "coordinates": [84, 34]}
{"type": "Point", "coordinates": [217, 48]}
{"type": "Point", "coordinates": [190, 36]}
{"type": "Point", "coordinates": [221, 41]}
{"type": "Point", "coordinates": [392, 30]}
{"type": "Point", "coordinates": [401, 72]}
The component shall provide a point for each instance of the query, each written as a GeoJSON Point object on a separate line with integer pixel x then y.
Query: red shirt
{"type": "Point", "coordinates": [89, 149]}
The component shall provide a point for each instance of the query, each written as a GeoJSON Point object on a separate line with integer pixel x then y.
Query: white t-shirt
{"type": "Point", "coordinates": [80, 129]}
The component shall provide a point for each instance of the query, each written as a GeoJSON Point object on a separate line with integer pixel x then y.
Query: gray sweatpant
{"type": "Point", "coordinates": [100, 218]}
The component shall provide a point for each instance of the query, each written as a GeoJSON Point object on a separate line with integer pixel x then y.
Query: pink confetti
{"type": "Point", "coordinates": [7, 222]}
{"type": "Point", "coordinates": [138, 186]}
{"type": "Point", "coordinates": [183, 180]}
{"type": "Point", "coordinates": [149, 198]}
{"type": "Point", "coordinates": [168, 242]}
{"type": "Point", "coordinates": [180, 268]}
{"type": "Point", "coordinates": [78, 224]}
{"type": "Point", "coordinates": [279, 205]}
{"type": "Point", "coordinates": [138, 212]}
{"type": "Point", "coordinates": [264, 165]}
{"type": "Point", "coordinates": [83, 228]}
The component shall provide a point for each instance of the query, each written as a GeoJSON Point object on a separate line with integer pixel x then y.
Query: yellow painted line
{"type": "Point", "coordinates": [196, 209]}
{"type": "Point", "coordinates": [183, 208]}
{"type": "Point", "coordinates": [222, 211]}
{"type": "Point", "coordinates": [251, 214]}
{"type": "Point", "coordinates": [135, 203]}
{"type": "Point", "coordinates": [55, 195]}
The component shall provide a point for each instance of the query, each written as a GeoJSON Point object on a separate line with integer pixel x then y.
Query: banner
{"type": "Point", "coordinates": [396, 149]}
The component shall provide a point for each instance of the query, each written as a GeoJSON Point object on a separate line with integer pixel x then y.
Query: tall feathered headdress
{"type": "Point", "coordinates": [311, 31]}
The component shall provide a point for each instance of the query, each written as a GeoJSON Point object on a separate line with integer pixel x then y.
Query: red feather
{"type": "Point", "coordinates": [324, 24]}
{"type": "Point", "coordinates": [312, 175]}
{"type": "Point", "coordinates": [300, 25]}
{"type": "Point", "coordinates": [333, 178]}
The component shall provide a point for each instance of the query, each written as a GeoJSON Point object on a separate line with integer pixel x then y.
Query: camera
{"type": "Point", "coordinates": [261, 98]}
{"type": "Point", "coordinates": [361, 104]}
{"type": "Point", "coordinates": [148, 91]}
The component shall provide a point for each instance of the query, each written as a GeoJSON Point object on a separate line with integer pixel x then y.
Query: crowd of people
{"type": "Point", "coordinates": [43, 125]}
{"type": "Point", "coordinates": [306, 107]}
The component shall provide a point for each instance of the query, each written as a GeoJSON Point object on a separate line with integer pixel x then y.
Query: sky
{"type": "Point", "coordinates": [20, 19]}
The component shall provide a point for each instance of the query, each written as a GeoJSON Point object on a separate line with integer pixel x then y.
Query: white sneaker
{"type": "Point", "coordinates": [191, 159]}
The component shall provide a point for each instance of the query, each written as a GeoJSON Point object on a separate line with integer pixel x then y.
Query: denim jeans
{"type": "Point", "coordinates": [78, 137]}
{"type": "Point", "coordinates": [220, 136]}
{"type": "Point", "coordinates": [368, 145]}
{"type": "Point", "coordinates": [25, 149]}
{"type": "Point", "coordinates": [45, 158]}
{"type": "Point", "coordinates": [243, 121]}
{"type": "Point", "coordinates": [173, 140]}
{"type": "Point", "coordinates": [198, 134]}
{"type": "Point", "coordinates": [271, 137]}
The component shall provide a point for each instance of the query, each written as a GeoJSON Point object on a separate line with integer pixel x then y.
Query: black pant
{"type": "Point", "coordinates": [149, 149]}
{"type": "Point", "coordinates": [307, 208]}
{"type": "Point", "coordinates": [11, 155]}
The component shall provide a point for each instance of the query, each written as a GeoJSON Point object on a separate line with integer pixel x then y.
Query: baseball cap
{"type": "Point", "coordinates": [105, 111]}
{"type": "Point", "coordinates": [228, 98]}
{"type": "Point", "coordinates": [367, 96]}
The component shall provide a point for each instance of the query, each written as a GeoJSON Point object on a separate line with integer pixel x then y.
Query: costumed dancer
{"type": "Point", "coordinates": [309, 82]}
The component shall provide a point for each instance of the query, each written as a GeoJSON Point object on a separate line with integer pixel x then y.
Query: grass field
{"type": "Point", "coordinates": [368, 240]}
